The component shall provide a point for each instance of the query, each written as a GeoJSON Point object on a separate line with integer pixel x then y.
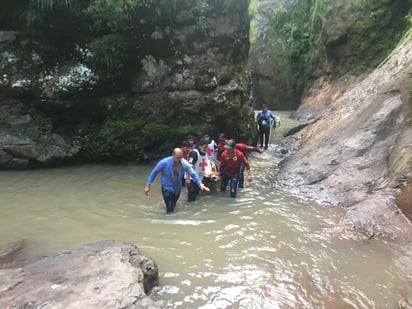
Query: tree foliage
{"type": "Point", "coordinates": [38, 11]}
{"type": "Point", "coordinates": [372, 28]}
{"type": "Point", "coordinates": [113, 15]}
{"type": "Point", "coordinates": [99, 26]}
{"type": "Point", "coordinates": [109, 54]}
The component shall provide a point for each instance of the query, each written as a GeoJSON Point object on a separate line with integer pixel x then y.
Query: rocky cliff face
{"type": "Point", "coordinates": [270, 85]}
{"type": "Point", "coordinates": [296, 42]}
{"type": "Point", "coordinates": [185, 73]}
{"type": "Point", "coordinates": [356, 150]}
{"type": "Point", "coordinates": [202, 79]}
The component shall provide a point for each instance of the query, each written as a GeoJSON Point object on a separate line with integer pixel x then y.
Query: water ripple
{"type": "Point", "coordinates": [260, 250]}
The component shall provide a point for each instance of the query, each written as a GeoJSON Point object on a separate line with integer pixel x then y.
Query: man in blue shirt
{"type": "Point", "coordinates": [263, 119]}
{"type": "Point", "coordinates": [172, 169]}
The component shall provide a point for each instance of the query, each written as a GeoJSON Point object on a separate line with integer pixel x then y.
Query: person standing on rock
{"type": "Point", "coordinates": [173, 169]}
{"type": "Point", "coordinates": [263, 119]}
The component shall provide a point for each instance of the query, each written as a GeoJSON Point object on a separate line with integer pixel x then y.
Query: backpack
{"type": "Point", "coordinates": [262, 121]}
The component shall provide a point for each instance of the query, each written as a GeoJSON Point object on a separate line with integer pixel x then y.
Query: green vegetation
{"type": "Point", "coordinates": [119, 133]}
{"type": "Point", "coordinates": [99, 26]}
{"type": "Point", "coordinates": [131, 138]}
{"type": "Point", "coordinates": [114, 138]}
{"type": "Point", "coordinates": [115, 12]}
{"type": "Point", "coordinates": [201, 24]}
{"type": "Point", "coordinates": [109, 55]}
{"type": "Point", "coordinates": [364, 35]}
{"type": "Point", "coordinates": [93, 48]}
{"type": "Point", "coordinates": [38, 10]}
{"type": "Point", "coordinates": [253, 7]}
{"type": "Point", "coordinates": [113, 15]}
{"type": "Point", "coordinates": [48, 5]}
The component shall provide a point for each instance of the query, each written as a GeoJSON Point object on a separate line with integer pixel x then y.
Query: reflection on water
{"type": "Point", "coordinates": [260, 250]}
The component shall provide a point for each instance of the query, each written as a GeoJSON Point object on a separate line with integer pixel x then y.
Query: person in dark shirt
{"type": "Point", "coordinates": [263, 119]}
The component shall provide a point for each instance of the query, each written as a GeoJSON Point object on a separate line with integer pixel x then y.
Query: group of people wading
{"type": "Point", "coordinates": [198, 164]}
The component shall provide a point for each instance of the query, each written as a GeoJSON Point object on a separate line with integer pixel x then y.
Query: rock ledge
{"type": "Point", "coordinates": [107, 274]}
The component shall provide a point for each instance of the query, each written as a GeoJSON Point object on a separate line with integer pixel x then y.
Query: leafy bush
{"type": "Point", "coordinates": [103, 15]}
{"type": "Point", "coordinates": [201, 24]}
{"type": "Point", "coordinates": [113, 15]}
{"type": "Point", "coordinates": [109, 53]}
{"type": "Point", "coordinates": [48, 20]}
{"type": "Point", "coordinates": [130, 138]}
{"type": "Point", "coordinates": [39, 10]}
{"type": "Point", "coordinates": [114, 138]}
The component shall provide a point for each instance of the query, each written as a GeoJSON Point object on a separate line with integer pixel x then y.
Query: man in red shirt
{"type": "Point", "coordinates": [245, 149]}
{"type": "Point", "coordinates": [229, 167]}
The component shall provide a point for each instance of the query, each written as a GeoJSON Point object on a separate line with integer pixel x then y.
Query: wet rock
{"type": "Point", "coordinates": [8, 36]}
{"type": "Point", "coordinates": [379, 216]}
{"type": "Point", "coordinates": [19, 151]}
{"type": "Point", "coordinates": [404, 303]}
{"type": "Point", "coordinates": [358, 149]}
{"type": "Point", "coordinates": [9, 255]}
{"type": "Point", "coordinates": [295, 129]}
{"type": "Point", "coordinates": [108, 274]}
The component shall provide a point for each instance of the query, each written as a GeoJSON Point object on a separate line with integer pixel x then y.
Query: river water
{"type": "Point", "coordinates": [260, 250]}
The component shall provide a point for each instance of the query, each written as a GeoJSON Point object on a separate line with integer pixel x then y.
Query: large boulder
{"type": "Point", "coordinates": [27, 139]}
{"type": "Point", "coordinates": [199, 77]}
{"type": "Point", "coordinates": [107, 274]}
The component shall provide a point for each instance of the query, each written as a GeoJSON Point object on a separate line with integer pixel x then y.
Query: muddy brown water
{"type": "Point", "coordinates": [260, 250]}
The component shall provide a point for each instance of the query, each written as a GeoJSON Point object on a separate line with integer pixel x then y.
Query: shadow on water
{"type": "Point", "coordinates": [260, 250]}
